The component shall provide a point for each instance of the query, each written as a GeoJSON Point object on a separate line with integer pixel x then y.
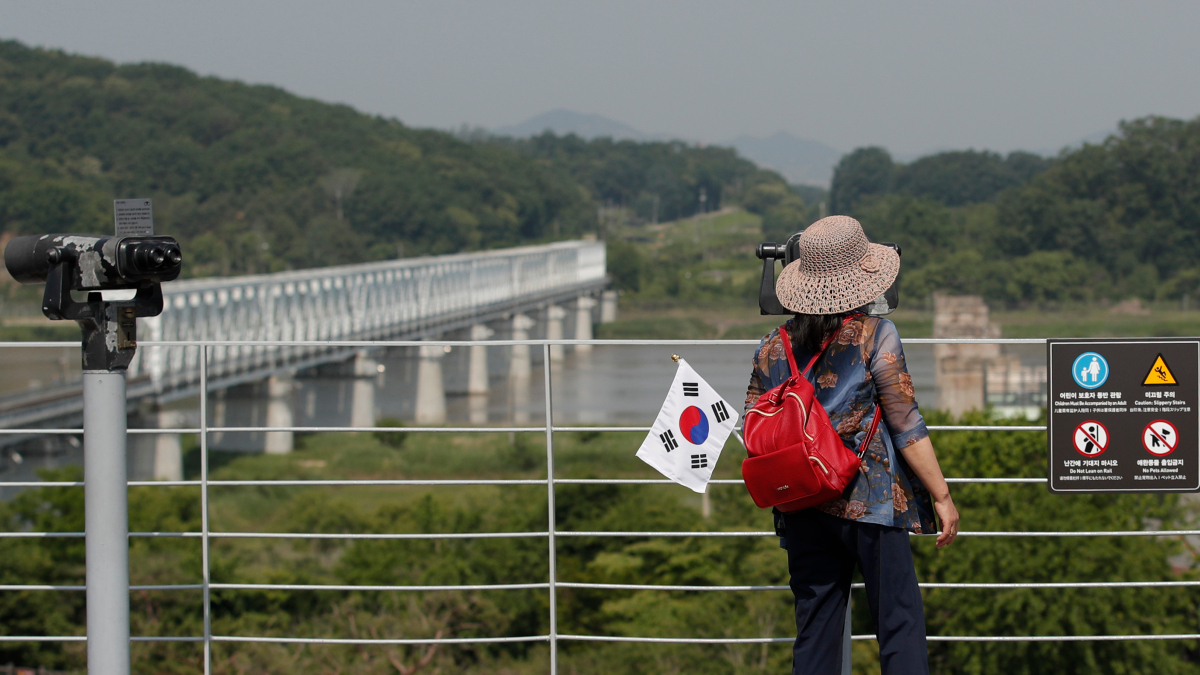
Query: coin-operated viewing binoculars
{"type": "Point", "coordinates": [91, 264]}
{"type": "Point", "coordinates": [768, 301]}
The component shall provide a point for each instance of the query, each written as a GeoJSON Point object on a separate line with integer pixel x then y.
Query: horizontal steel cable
{"type": "Point", "coordinates": [503, 535]}
{"type": "Point", "coordinates": [1099, 533]}
{"type": "Point", "coordinates": [595, 638]}
{"type": "Point", "coordinates": [931, 638]}
{"type": "Point", "coordinates": [83, 638]}
{"type": "Point", "coordinates": [612, 587]}
{"type": "Point", "coordinates": [458, 430]}
{"type": "Point", "coordinates": [347, 482]}
{"type": "Point", "coordinates": [293, 535]}
{"type": "Point", "coordinates": [967, 586]}
{"type": "Point", "coordinates": [502, 343]}
{"type": "Point", "coordinates": [379, 641]}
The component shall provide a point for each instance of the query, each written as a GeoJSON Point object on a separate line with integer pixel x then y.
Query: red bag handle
{"type": "Point", "coordinates": [792, 363]}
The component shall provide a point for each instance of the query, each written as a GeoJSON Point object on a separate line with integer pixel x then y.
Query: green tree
{"type": "Point", "coordinates": [864, 172]}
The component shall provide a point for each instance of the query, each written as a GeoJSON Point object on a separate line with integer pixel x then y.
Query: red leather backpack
{"type": "Point", "coordinates": [797, 459]}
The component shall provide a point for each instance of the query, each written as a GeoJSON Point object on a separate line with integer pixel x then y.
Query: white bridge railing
{"type": "Point", "coordinates": [553, 637]}
{"type": "Point", "coordinates": [348, 302]}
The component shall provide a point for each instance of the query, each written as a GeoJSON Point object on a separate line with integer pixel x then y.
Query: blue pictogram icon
{"type": "Point", "coordinates": [1090, 370]}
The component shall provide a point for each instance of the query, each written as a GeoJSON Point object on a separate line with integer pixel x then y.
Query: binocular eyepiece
{"type": "Point", "coordinates": [94, 263]}
{"type": "Point", "coordinates": [768, 301]}
{"type": "Point", "coordinates": [98, 262]}
{"type": "Point", "coordinates": [771, 251]}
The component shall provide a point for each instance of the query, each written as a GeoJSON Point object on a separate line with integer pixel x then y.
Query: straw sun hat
{"type": "Point", "coordinates": [838, 269]}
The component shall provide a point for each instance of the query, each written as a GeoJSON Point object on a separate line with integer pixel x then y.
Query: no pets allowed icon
{"type": "Point", "coordinates": [1160, 438]}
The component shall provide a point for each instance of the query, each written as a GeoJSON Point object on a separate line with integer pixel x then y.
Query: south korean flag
{"type": "Point", "coordinates": [686, 439]}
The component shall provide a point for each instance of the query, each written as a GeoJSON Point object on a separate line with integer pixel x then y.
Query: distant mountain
{"type": "Point", "coordinates": [563, 122]}
{"type": "Point", "coordinates": [800, 160]}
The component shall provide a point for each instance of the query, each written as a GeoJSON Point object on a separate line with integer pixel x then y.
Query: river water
{"type": "Point", "coordinates": [614, 384]}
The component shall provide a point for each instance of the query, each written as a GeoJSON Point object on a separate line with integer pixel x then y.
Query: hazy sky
{"type": "Point", "coordinates": [912, 76]}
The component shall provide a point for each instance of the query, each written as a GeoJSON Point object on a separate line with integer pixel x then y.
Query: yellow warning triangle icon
{"type": "Point", "coordinates": [1160, 373]}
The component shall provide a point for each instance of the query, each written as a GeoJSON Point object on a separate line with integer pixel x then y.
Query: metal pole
{"type": "Point", "coordinates": [550, 512]}
{"type": "Point", "coordinates": [106, 522]}
{"type": "Point", "coordinates": [847, 658]}
{"type": "Point", "coordinates": [204, 553]}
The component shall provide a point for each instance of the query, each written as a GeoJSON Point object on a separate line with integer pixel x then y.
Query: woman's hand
{"type": "Point", "coordinates": [923, 461]}
{"type": "Point", "coordinates": [948, 517]}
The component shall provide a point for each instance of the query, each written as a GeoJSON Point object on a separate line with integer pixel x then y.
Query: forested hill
{"type": "Point", "coordinates": [250, 176]}
{"type": "Point", "coordinates": [1110, 221]}
{"type": "Point", "coordinates": [253, 179]}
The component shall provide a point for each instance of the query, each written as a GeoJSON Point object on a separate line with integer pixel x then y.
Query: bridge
{"type": "Point", "coordinates": [309, 315]}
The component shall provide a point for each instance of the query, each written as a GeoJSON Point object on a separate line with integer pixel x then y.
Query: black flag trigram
{"type": "Point", "coordinates": [720, 412]}
{"type": "Point", "coordinates": [668, 440]}
{"type": "Point", "coordinates": [700, 461]}
{"type": "Point", "coordinates": [691, 388]}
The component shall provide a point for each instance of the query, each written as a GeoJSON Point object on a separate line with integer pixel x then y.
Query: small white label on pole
{"type": "Point", "coordinates": [134, 217]}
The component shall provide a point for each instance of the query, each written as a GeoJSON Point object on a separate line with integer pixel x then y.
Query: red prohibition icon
{"type": "Point", "coordinates": [1160, 438]}
{"type": "Point", "coordinates": [1091, 439]}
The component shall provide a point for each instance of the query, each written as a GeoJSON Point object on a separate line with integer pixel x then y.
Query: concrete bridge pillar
{"type": "Point", "coordinates": [280, 391]}
{"type": "Point", "coordinates": [366, 373]}
{"type": "Point", "coordinates": [520, 365]}
{"type": "Point", "coordinates": [608, 306]}
{"type": "Point", "coordinates": [520, 370]}
{"type": "Point", "coordinates": [157, 456]}
{"type": "Point", "coordinates": [168, 448]}
{"type": "Point", "coordinates": [554, 330]}
{"type": "Point", "coordinates": [216, 400]}
{"type": "Point", "coordinates": [431, 391]}
{"type": "Point", "coordinates": [477, 366]}
{"type": "Point", "coordinates": [583, 322]}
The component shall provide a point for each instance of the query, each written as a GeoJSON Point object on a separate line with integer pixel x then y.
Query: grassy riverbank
{"type": "Point", "coordinates": [633, 560]}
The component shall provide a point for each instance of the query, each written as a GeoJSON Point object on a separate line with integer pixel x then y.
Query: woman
{"type": "Point", "coordinates": [900, 485]}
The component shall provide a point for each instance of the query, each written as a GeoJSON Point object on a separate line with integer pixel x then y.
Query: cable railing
{"type": "Point", "coordinates": [552, 584]}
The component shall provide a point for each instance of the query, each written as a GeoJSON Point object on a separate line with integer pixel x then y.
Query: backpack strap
{"type": "Point", "coordinates": [792, 357]}
{"type": "Point", "coordinates": [871, 433]}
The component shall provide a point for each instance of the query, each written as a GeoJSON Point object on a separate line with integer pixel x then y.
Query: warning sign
{"type": "Point", "coordinates": [1124, 415]}
{"type": "Point", "coordinates": [1160, 373]}
{"type": "Point", "coordinates": [1160, 438]}
{"type": "Point", "coordinates": [1091, 438]}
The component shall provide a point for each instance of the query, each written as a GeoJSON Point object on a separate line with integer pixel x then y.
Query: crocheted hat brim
{"type": "Point", "coordinates": [846, 289]}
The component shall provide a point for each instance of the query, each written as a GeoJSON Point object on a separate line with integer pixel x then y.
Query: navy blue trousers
{"type": "Point", "coordinates": [822, 552]}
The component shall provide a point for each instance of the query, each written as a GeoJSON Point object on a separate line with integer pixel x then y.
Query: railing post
{"type": "Point", "coordinates": [106, 517]}
{"type": "Point", "coordinates": [550, 511]}
{"type": "Point", "coordinates": [204, 562]}
{"type": "Point", "coordinates": [847, 656]}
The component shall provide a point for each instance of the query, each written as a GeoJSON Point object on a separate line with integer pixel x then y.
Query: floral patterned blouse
{"type": "Point", "coordinates": [863, 366]}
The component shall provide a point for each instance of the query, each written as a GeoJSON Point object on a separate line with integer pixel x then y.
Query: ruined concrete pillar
{"type": "Point", "coordinates": [520, 365]}
{"type": "Point", "coordinates": [608, 306]}
{"type": "Point", "coordinates": [280, 390]}
{"type": "Point", "coordinates": [477, 365]}
{"type": "Point", "coordinates": [431, 391]}
{"type": "Point", "coordinates": [960, 368]}
{"type": "Point", "coordinates": [583, 322]}
{"type": "Point", "coordinates": [554, 330]}
{"type": "Point", "coordinates": [362, 402]}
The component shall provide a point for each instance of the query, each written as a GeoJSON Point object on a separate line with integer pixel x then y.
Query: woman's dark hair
{"type": "Point", "coordinates": [811, 330]}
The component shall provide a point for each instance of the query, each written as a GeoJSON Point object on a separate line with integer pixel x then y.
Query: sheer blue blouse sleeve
{"type": "Point", "coordinates": [895, 388]}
